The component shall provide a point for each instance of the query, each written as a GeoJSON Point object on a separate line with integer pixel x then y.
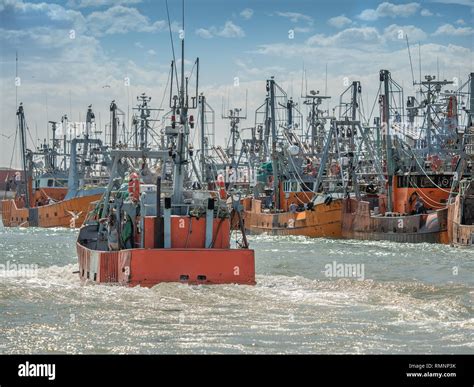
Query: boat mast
{"type": "Point", "coordinates": [202, 104]}
{"type": "Point", "coordinates": [385, 78]}
{"type": "Point", "coordinates": [356, 88]}
{"type": "Point", "coordinates": [113, 119]}
{"type": "Point", "coordinates": [21, 124]}
{"type": "Point", "coordinates": [275, 169]}
{"type": "Point", "coordinates": [471, 101]}
{"type": "Point", "coordinates": [182, 109]}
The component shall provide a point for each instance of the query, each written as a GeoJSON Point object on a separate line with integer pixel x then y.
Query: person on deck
{"type": "Point", "coordinates": [419, 206]}
{"type": "Point", "coordinates": [112, 234]}
{"type": "Point", "coordinates": [127, 232]}
{"type": "Point", "coordinates": [293, 207]}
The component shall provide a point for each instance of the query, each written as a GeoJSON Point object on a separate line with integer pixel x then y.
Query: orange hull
{"type": "Point", "coordinates": [66, 213]}
{"type": "Point", "coordinates": [323, 221]}
{"type": "Point", "coordinates": [359, 223]}
{"type": "Point", "coordinates": [148, 267]}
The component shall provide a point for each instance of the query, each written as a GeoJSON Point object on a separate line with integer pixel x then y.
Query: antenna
{"type": "Point", "coordinates": [246, 100]}
{"type": "Point", "coordinates": [326, 86]}
{"type": "Point", "coordinates": [411, 64]}
{"type": "Point", "coordinates": [419, 58]}
{"type": "Point", "coordinates": [437, 67]}
{"type": "Point", "coordinates": [302, 81]}
{"type": "Point", "coordinates": [16, 79]}
{"type": "Point", "coordinates": [173, 65]}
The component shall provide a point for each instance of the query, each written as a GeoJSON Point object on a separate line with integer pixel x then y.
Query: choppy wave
{"type": "Point", "coordinates": [410, 302]}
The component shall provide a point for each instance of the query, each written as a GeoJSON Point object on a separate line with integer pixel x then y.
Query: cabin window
{"type": "Point", "coordinates": [307, 186]}
{"type": "Point", "coordinates": [424, 181]}
{"type": "Point", "coordinates": [60, 183]}
{"type": "Point", "coordinates": [50, 182]}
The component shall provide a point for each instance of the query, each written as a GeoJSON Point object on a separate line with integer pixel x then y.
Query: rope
{"type": "Point", "coordinates": [424, 172]}
{"type": "Point", "coordinates": [433, 202]}
{"type": "Point", "coordinates": [11, 159]}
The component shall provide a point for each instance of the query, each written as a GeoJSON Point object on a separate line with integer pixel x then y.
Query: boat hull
{"type": "Point", "coordinates": [323, 222]}
{"type": "Point", "coordinates": [460, 235]}
{"type": "Point", "coordinates": [358, 223]}
{"type": "Point", "coordinates": [149, 267]}
{"type": "Point", "coordinates": [66, 213]}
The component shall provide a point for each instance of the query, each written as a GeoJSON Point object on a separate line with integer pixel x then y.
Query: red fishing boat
{"type": "Point", "coordinates": [154, 226]}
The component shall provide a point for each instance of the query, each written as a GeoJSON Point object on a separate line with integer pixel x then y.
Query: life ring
{"type": "Point", "coordinates": [221, 187]}
{"type": "Point", "coordinates": [134, 187]}
{"type": "Point", "coordinates": [335, 169]}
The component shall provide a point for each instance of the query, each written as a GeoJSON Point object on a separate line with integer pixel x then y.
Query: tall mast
{"type": "Point", "coordinates": [182, 108]}
{"type": "Point", "coordinates": [354, 105]}
{"type": "Point", "coordinates": [202, 102]}
{"type": "Point", "coordinates": [113, 122]}
{"type": "Point", "coordinates": [21, 124]}
{"type": "Point", "coordinates": [471, 100]}
{"type": "Point", "coordinates": [385, 78]}
{"type": "Point", "coordinates": [182, 136]}
{"type": "Point", "coordinates": [276, 172]}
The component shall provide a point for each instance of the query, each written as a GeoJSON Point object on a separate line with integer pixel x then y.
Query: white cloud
{"type": "Point", "coordinates": [116, 19]}
{"type": "Point", "coordinates": [151, 52]}
{"type": "Point", "coordinates": [248, 69]}
{"type": "Point", "coordinates": [450, 30]}
{"type": "Point", "coordinates": [395, 32]}
{"type": "Point", "coordinates": [360, 37]}
{"type": "Point", "coordinates": [359, 64]}
{"type": "Point", "coordinates": [295, 17]}
{"type": "Point", "coordinates": [461, 22]}
{"type": "Point", "coordinates": [386, 9]}
{"type": "Point", "coordinates": [99, 3]}
{"type": "Point", "coordinates": [229, 30]}
{"type": "Point", "coordinates": [469, 3]}
{"type": "Point", "coordinates": [339, 21]}
{"type": "Point", "coordinates": [426, 12]}
{"type": "Point", "coordinates": [53, 12]}
{"type": "Point", "coordinates": [204, 33]}
{"type": "Point", "coordinates": [303, 30]}
{"type": "Point", "coordinates": [120, 19]}
{"type": "Point", "coordinates": [247, 13]}
{"type": "Point", "coordinates": [138, 44]}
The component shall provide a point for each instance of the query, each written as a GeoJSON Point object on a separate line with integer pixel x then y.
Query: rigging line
{"type": "Point", "coordinates": [192, 70]}
{"type": "Point", "coordinates": [409, 56]}
{"type": "Point", "coordinates": [172, 44]}
{"type": "Point", "coordinates": [13, 152]}
{"type": "Point", "coordinates": [31, 137]}
{"type": "Point", "coordinates": [162, 101]}
{"type": "Point", "coordinates": [424, 172]}
{"type": "Point", "coordinates": [427, 198]}
{"type": "Point", "coordinates": [375, 102]}
{"type": "Point", "coordinates": [302, 181]}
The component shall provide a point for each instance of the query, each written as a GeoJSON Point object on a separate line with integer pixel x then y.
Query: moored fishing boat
{"type": "Point", "coordinates": [417, 178]}
{"type": "Point", "coordinates": [53, 198]}
{"type": "Point", "coordinates": [461, 203]}
{"type": "Point", "coordinates": [289, 195]}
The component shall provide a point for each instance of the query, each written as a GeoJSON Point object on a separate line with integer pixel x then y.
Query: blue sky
{"type": "Point", "coordinates": [245, 39]}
